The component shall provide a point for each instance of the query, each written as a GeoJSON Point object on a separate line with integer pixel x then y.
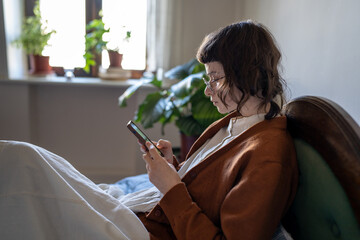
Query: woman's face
{"type": "Point", "coordinates": [216, 76]}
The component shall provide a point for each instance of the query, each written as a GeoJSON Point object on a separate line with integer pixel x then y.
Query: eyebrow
{"type": "Point", "coordinates": [211, 73]}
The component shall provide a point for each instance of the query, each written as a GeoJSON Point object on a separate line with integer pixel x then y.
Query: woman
{"type": "Point", "coordinates": [237, 182]}
{"type": "Point", "coordinates": [240, 176]}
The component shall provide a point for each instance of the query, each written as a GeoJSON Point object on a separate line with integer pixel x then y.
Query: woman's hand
{"type": "Point", "coordinates": [165, 147]}
{"type": "Point", "coordinates": [161, 173]}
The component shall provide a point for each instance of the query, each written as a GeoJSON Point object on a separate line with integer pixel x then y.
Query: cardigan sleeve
{"type": "Point", "coordinates": [252, 209]}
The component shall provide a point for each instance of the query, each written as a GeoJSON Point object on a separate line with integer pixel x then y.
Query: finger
{"type": "Point", "coordinates": [153, 152]}
{"type": "Point", "coordinates": [162, 144]}
{"type": "Point", "coordinates": [143, 149]}
{"type": "Point", "coordinates": [142, 146]}
{"type": "Point", "coordinates": [147, 158]}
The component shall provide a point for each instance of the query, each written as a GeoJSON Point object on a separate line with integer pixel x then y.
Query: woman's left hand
{"type": "Point", "coordinates": [161, 173]}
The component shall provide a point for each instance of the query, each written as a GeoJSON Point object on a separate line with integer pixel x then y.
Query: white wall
{"type": "Point", "coordinates": [81, 123]}
{"type": "Point", "coordinates": [320, 45]}
{"type": "Point", "coordinates": [319, 41]}
{"type": "Point", "coordinates": [201, 17]}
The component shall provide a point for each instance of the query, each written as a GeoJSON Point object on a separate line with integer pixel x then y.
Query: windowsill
{"type": "Point", "coordinates": [80, 81]}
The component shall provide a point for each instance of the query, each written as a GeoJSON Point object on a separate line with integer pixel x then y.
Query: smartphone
{"type": "Point", "coordinates": [141, 135]}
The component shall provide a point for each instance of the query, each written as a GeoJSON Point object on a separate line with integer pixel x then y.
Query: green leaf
{"type": "Point", "coordinates": [182, 102]}
{"type": "Point", "coordinates": [181, 71]}
{"type": "Point", "coordinates": [185, 86]}
{"type": "Point", "coordinates": [189, 126]}
{"type": "Point", "coordinates": [34, 36]}
{"type": "Point", "coordinates": [130, 91]}
{"type": "Point", "coordinates": [203, 111]}
{"type": "Point", "coordinates": [198, 68]}
{"type": "Point", "coordinates": [94, 42]}
{"type": "Point", "coordinates": [156, 82]}
{"type": "Point", "coordinates": [128, 36]}
{"type": "Point", "coordinates": [151, 110]}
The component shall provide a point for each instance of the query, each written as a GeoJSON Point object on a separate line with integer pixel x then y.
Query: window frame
{"type": "Point", "coordinates": [92, 8]}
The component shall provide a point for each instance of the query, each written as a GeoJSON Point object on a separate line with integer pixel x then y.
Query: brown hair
{"type": "Point", "coordinates": [250, 59]}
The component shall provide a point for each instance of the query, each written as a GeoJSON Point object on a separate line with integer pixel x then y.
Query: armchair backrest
{"type": "Point", "coordinates": [327, 142]}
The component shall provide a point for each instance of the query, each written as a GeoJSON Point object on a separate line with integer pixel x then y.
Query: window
{"type": "Point", "coordinates": [121, 16]}
{"type": "Point", "coordinates": [67, 17]}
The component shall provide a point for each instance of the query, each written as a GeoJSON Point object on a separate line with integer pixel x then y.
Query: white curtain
{"type": "Point", "coordinates": [164, 29]}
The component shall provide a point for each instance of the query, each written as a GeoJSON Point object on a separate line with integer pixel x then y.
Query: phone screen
{"type": "Point", "coordinates": [141, 135]}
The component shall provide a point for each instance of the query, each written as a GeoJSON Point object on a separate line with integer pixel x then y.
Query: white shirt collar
{"type": "Point", "coordinates": [237, 125]}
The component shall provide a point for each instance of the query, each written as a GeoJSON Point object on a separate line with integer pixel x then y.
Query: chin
{"type": "Point", "coordinates": [222, 111]}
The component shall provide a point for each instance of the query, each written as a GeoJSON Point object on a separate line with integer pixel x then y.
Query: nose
{"type": "Point", "coordinates": [207, 91]}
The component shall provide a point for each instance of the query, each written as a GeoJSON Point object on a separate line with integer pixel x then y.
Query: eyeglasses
{"type": "Point", "coordinates": [211, 84]}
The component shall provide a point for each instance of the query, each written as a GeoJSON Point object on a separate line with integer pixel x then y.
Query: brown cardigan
{"type": "Point", "coordinates": [241, 191]}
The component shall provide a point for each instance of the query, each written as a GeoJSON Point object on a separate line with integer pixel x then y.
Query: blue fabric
{"type": "Point", "coordinates": [134, 183]}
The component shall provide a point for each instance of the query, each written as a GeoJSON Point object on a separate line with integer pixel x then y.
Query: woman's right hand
{"type": "Point", "coordinates": [165, 147]}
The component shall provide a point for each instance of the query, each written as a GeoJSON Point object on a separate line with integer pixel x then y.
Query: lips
{"type": "Point", "coordinates": [213, 102]}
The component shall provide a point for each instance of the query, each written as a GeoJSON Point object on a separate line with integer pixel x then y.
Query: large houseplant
{"type": "Point", "coordinates": [33, 39]}
{"type": "Point", "coordinates": [184, 102]}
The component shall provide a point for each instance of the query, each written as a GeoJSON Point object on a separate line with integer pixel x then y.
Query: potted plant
{"type": "Point", "coordinates": [33, 39]}
{"type": "Point", "coordinates": [94, 45]}
{"type": "Point", "coordinates": [116, 51]}
{"type": "Point", "coordinates": [184, 103]}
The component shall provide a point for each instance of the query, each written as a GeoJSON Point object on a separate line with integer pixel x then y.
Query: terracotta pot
{"type": "Point", "coordinates": [115, 59]}
{"type": "Point", "coordinates": [186, 143]}
{"type": "Point", "coordinates": [39, 65]}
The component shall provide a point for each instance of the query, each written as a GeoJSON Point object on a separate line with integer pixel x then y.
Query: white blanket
{"type": "Point", "coordinates": [43, 197]}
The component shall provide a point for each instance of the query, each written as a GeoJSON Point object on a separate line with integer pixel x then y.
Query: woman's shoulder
{"type": "Point", "coordinates": [273, 132]}
{"type": "Point", "coordinates": [269, 141]}
{"type": "Point", "coordinates": [275, 129]}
